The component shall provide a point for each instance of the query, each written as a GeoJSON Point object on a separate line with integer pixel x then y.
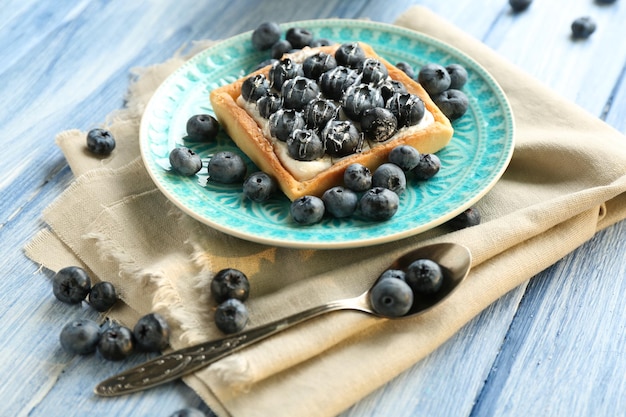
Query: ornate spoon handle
{"type": "Point", "coordinates": [181, 362]}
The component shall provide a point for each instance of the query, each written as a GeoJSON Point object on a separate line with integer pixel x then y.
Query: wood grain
{"type": "Point", "coordinates": [552, 347]}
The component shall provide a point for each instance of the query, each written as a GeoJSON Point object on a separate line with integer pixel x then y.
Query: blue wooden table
{"type": "Point", "coordinates": [553, 347]}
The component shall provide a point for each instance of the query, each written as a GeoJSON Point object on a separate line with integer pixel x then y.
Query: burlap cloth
{"type": "Point", "coordinates": [566, 181]}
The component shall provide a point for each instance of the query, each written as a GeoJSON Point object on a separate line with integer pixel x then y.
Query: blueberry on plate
{"type": "Point", "coordinates": [116, 343]}
{"type": "Point", "coordinates": [188, 412]}
{"type": "Point", "coordinates": [340, 202]}
{"type": "Point", "coordinates": [265, 35]}
{"type": "Point", "coordinates": [341, 138]}
{"type": "Point", "coordinates": [406, 68]}
{"type": "Point", "coordinates": [202, 128]}
{"type": "Point", "coordinates": [391, 177]}
{"type": "Point", "coordinates": [379, 124]}
{"type": "Point", "coordinates": [80, 337]}
{"type": "Point", "coordinates": [305, 145]}
{"type": "Point", "coordinates": [185, 161]}
{"type": "Point", "coordinates": [230, 283]}
{"type": "Point", "coordinates": [231, 316]}
{"type": "Point", "coordinates": [299, 37]}
{"type": "Point", "coordinates": [100, 141]}
{"type": "Point", "coordinates": [469, 217]}
{"type": "Point", "coordinates": [102, 296]}
{"type": "Point", "coordinates": [259, 187]}
{"type": "Point", "coordinates": [519, 5]}
{"type": "Point", "coordinates": [428, 166]}
{"type": "Point", "coordinates": [71, 284]}
{"type": "Point", "coordinates": [280, 48]}
{"type": "Point", "coordinates": [391, 297]}
{"type": "Point", "coordinates": [434, 78]}
{"type": "Point", "coordinates": [357, 177]}
{"type": "Point", "coordinates": [458, 76]}
{"type": "Point", "coordinates": [404, 156]}
{"type": "Point", "coordinates": [452, 103]}
{"type": "Point", "coordinates": [227, 168]}
{"type": "Point", "coordinates": [307, 209]}
{"type": "Point", "coordinates": [321, 42]}
{"type": "Point", "coordinates": [583, 27]}
{"type": "Point", "coordinates": [350, 55]}
{"type": "Point", "coordinates": [424, 276]}
{"type": "Point", "coordinates": [151, 333]}
{"type": "Point", "coordinates": [378, 204]}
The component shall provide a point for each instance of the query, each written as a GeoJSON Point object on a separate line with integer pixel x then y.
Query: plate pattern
{"type": "Point", "coordinates": [471, 164]}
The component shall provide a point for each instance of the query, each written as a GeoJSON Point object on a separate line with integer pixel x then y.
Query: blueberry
{"type": "Point", "coordinates": [284, 122]}
{"type": "Point", "coordinates": [102, 296]}
{"type": "Point", "coordinates": [188, 412]}
{"type": "Point", "coordinates": [424, 276]}
{"type": "Point", "coordinates": [230, 283]}
{"type": "Point", "coordinates": [360, 97]}
{"type": "Point", "coordinates": [335, 82]}
{"type": "Point", "coordinates": [406, 68]}
{"type": "Point", "coordinates": [283, 70]}
{"type": "Point", "coordinates": [373, 72]}
{"type": "Point", "coordinates": [71, 284]}
{"type": "Point", "coordinates": [185, 161]}
{"type": "Point", "coordinates": [452, 103]}
{"type": "Point", "coordinates": [434, 78]}
{"type": "Point", "coordinates": [408, 108]}
{"type": "Point", "coordinates": [458, 76]}
{"type": "Point", "coordinates": [519, 5]}
{"type": "Point", "coordinates": [231, 316]}
{"type": "Point", "coordinates": [227, 168]}
{"type": "Point", "coordinates": [391, 297]}
{"type": "Point", "coordinates": [428, 166]}
{"type": "Point", "coordinates": [307, 209]}
{"type": "Point", "coordinates": [317, 64]}
{"type": "Point", "coordinates": [379, 124]}
{"type": "Point", "coordinates": [583, 27]}
{"type": "Point", "coordinates": [265, 35]}
{"type": "Point", "coordinates": [390, 87]}
{"type": "Point", "coordinates": [357, 177]}
{"type": "Point", "coordinates": [340, 202]}
{"type": "Point", "coordinates": [378, 204]}
{"type": "Point", "coordinates": [390, 176]}
{"type": "Point", "coordinates": [151, 333]}
{"type": "Point", "coordinates": [350, 55]}
{"type": "Point", "coordinates": [116, 343]}
{"type": "Point", "coordinates": [280, 48]}
{"type": "Point", "coordinates": [80, 337]}
{"type": "Point", "coordinates": [341, 138]}
{"type": "Point", "coordinates": [319, 112]}
{"type": "Point", "coordinates": [320, 42]}
{"type": "Point", "coordinates": [299, 37]}
{"type": "Point", "coordinates": [202, 127]}
{"type": "Point", "coordinates": [254, 87]}
{"type": "Point", "coordinates": [269, 104]}
{"type": "Point", "coordinates": [469, 217]}
{"type": "Point", "coordinates": [305, 145]}
{"type": "Point", "coordinates": [100, 141]}
{"type": "Point", "coordinates": [259, 187]}
{"type": "Point", "coordinates": [298, 92]}
{"type": "Point", "coordinates": [404, 156]}
{"type": "Point", "coordinates": [393, 274]}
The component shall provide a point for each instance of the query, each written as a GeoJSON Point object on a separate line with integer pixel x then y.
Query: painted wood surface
{"type": "Point", "coordinates": [552, 347]}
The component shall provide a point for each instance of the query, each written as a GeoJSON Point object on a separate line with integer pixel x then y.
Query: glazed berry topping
{"type": "Point", "coordinates": [336, 81]}
{"type": "Point", "coordinates": [408, 108]}
{"type": "Point", "coordinates": [359, 98]}
{"type": "Point", "coordinates": [269, 104]}
{"type": "Point", "coordinates": [391, 87]}
{"type": "Point", "coordinates": [283, 70]}
{"type": "Point", "coordinates": [285, 121]}
{"type": "Point", "coordinates": [342, 138]}
{"type": "Point", "coordinates": [373, 72]}
{"type": "Point", "coordinates": [305, 145]}
{"type": "Point", "coordinates": [379, 124]}
{"type": "Point", "coordinates": [350, 55]}
{"type": "Point", "coordinates": [298, 92]}
{"type": "Point", "coordinates": [319, 112]}
{"type": "Point", "coordinates": [315, 65]}
{"type": "Point", "coordinates": [254, 87]}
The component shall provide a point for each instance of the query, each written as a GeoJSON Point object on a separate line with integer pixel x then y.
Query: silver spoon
{"type": "Point", "coordinates": [454, 259]}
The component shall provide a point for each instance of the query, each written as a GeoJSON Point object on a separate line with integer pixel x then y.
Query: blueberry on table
{"type": "Point", "coordinates": [406, 68]}
{"type": "Point", "coordinates": [434, 78]}
{"type": "Point", "coordinates": [469, 217]}
{"type": "Point", "coordinates": [299, 37]}
{"type": "Point", "coordinates": [80, 337]}
{"type": "Point", "coordinates": [458, 76]}
{"type": "Point", "coordinates": [452, 103]}
{"type": "Point", "coordinates": [305, 145]}
{"type": "Point", "coordinates": [283, 70]}
{"type": "Point", "coordinates": [307, 209]}
{"type": "Point", "coordinates": [583, 27]}
{"type": "Point", "coordinates": [391, 177]}
{"type": "Point", "coordinates": [254, 87]}
{"type": "Point", "coordinates": [357, 177]}
{"type": "Point", "coordinates": [265, 35]}
{"type": "Point", "coordinates": [340, 202]}
{"type": "Point", "coordinates": [317, 64]}
{"type": "Point", "coordinates": [341, 138]}
{"type": "Point", "coordinates": [259, 187]}
{"type": "Point", "coordinates": [379, 124]}
{"type": "Point", "coordinates": [231, 316]}
{"type": "Point", "coordinates": [116, 343]}
{"type": "Point", "coordinates": [100, 141]}
{"type": "Point", "coordinates": [227, 168]}
{"type": "Point", "coordinates": [202, 128]}
{"type": "Point", "coordinates": [404, 156]}
{"type": "Point", "coordinates": [71, 284]}
{"type": "Point", "coordinates": [424, 276]}
{"type": "Point", "coordinates": [427, 167]}
{"type": "Point", "coordinates": [350, 55]}
{"type": "Point", "coordinates": [391, 297]}
{"type": "Point", "coordinates": [408, 108]}
{"type": "Point", "coordinates": [284, 122]}
{"type": "Point", "coordinates": [519, 5]}
{"type": "Point", "coordinates": [185, 161]}
{"type": "Point", "coordinates": [230, 283]}
{"type": "Point", "coordinates": [188, 412]}
{"type": "Point", "coordinates": [102, 296]}
{"type": "Point", "coordinates": [151, 333]}
{"type": "Point", "coordinates": [378, 204]}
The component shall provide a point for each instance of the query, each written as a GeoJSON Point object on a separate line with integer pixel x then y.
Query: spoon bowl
{"type": "Point", "coordinates": [455, 261]}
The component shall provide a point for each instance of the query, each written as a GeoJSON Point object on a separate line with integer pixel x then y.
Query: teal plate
{"type": "Point", "coordinates": [472, 163]}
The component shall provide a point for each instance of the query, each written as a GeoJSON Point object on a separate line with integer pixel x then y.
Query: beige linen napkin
{"type": "Point", "coordinates": [566, 181]}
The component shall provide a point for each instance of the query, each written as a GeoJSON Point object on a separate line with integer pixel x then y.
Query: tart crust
{"type": "Point", "coordinates": [249, 137]}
